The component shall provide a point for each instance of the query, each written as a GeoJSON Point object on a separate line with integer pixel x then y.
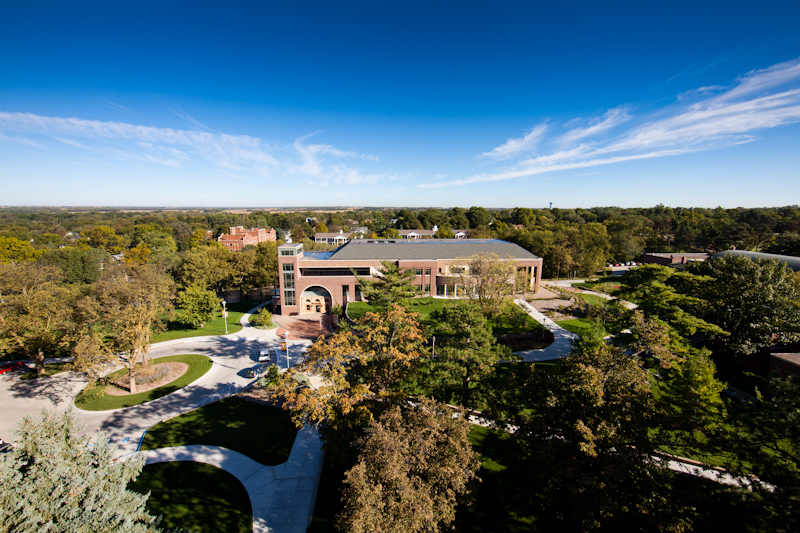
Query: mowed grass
{"type": "Point", "coordinates": [606, 284]}
{"type": "Point", "coordinates": [596, 301]}
{"type": "Point", "coordinates": [423, 306]}
{"type": "Point", "coordinates": [520, 323]}
{"type": "Point", "coordinates": [262, 432]}
{"type": "Point", "coordinates": [179, 330]}
{"type": "Point", "coordinates": [94, 398]}
{"type": "Point", "coordinates": [576, 325]}
{"type": "Point", "coordinates": [196, 497]}
{"type": "Point", "coordinates": [493, 503]}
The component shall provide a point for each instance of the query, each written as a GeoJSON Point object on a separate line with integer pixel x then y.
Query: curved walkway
{"type": "Point", "coordinates": [282, 496]}
{"type": "Point", "coordinates": [232, 355]}
{"type": "Point", "coordinates": [562, 343]}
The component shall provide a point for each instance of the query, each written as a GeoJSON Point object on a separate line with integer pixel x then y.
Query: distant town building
{"type": "Point", "coordinates": [239, 237]}
{"type": "Point", "coordinates": [673, 259]}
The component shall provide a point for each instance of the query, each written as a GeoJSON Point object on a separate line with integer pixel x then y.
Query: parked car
{"type": "Point", "coordinates": [257, 371]}
{"type": "Point", "coordinates": [263, 355]}
{"type": "Point", "coordinates": [8, 367]}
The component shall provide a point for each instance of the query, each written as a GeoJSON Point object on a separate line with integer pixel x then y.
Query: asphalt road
{"type": "Point", "coordinates": [231, 354]}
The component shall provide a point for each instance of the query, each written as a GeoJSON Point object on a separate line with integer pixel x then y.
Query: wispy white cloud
{"type": "Point", "coordinates": [516, 146]}
{"type": "Point", "coordinates": [611, 119]}
{"type": "Point", "coordinates": [178, 148]}
{"type": "Point", "coordinates": [705, 119]}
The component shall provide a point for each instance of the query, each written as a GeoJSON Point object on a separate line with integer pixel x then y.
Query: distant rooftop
{"type": "Point", "coordinates": [792, 261]}
{"type": "Point", "coordinates": [397, 249]}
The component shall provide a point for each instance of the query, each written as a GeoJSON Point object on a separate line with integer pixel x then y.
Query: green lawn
{"type": "Point", "coordinates": [93, 398]}
{"type": "Point", "coordinates": [195, 496]}
{"type": "Point", "coordinates": [179, 330]}
{"type": "Point", "coordinates": [524, 323]}
{"type": "Point", "coordinates": [423, 306]}
{"type": "Point", "coordinates": [606, 284]}
{"type": "Point", "coordinates": [262, 432]}
{"type": "Point", "coordinates": [493, 505]}
{"type": "Point", "coordinates": [597, 301]}
{"type": "Point", "coordinates": [50, 369]}
{"type": "Point", "coordinates": [576, 325]}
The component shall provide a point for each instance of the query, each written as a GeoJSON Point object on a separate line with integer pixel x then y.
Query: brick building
{"type": "Point", "coordinates": [312, 282]}
{"type": "Point", "coordinates": [239, 237]}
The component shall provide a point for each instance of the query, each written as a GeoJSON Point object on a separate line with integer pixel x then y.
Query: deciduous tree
{"type": "Point", "coordinates": [414, 465]}
{"type": "Point", "coordinates": [199, 305]}
{"type": "Point", "coordinates": [35, 311]}
{"type": "Point", "coordinates": [129, 303]}
{"type": "Point", "coordinates": [466, 354]}
{"type": "Point", "coordinates": [764, 438]}
{"type": "Point", "coordinates": [587, 447]}
{"type": "Point", "coordinates": [490, 280]}
{"type": "Point", "coordinates": [756, 301]}
{"type": "Point", "coordinates": [359, 373]}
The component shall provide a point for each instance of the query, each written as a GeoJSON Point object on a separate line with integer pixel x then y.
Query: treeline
{"type": "Point", "coordinates": [571, 241]}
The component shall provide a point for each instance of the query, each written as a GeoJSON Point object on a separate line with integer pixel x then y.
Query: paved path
{"type": "Point", "coordinates": [282, 496]}
{"type": "Point", "coordinates": [562, 344]}
{"type": "Point", "coordinates": [231, 354]}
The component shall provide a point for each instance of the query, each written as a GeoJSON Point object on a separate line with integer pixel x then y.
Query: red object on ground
{"type": "Point", "coordinates": [8, 367]}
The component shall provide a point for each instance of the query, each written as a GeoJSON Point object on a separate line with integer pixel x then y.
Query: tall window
{"type": "Point", "coordinates": [288, 284]}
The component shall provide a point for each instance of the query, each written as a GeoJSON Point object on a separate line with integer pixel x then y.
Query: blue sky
{"type": "Point", "coordinates": [457, 103]}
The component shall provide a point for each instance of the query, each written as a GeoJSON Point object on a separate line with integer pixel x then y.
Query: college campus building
{"type": "Point", "coordinates": [239, 237]}
{"type": "Point", "coordinates": [313, 282]}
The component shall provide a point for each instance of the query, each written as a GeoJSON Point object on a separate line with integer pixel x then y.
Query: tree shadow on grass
{"type": "Point", "coordinates": [196, 497]}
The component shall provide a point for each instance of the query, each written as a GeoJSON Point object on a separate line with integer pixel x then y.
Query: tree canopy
{"type": "Point", "coordinates": [414, 464]}
{"type": "Point", "coordinates": [756, 301]}
{"type": "Point", "coordinates": [57, 480]}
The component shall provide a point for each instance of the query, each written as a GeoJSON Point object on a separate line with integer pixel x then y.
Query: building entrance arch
{"type": "Point", "coordinates": [315, 299]}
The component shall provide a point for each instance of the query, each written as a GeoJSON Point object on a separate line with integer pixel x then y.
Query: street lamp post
{"type": "Point", "coordinates": [225, 315]}
{"type": "Point", "coordinates": [286, 342]}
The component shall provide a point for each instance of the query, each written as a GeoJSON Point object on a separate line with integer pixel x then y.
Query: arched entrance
{"type": "Point", "coordinates": [315, 299]}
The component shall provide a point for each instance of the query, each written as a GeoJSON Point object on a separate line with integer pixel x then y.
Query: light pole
{"type": "Point", "coordinates": [225, 315]}
{"type": "Point", "coordinates": [286, 343]}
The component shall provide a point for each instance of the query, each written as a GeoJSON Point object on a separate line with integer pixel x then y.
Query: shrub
{"type": "Point", "coordinates": [262, 319]}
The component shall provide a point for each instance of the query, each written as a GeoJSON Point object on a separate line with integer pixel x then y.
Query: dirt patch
{"type": "Point", "coordinates": [257, 395]}
{"type": "Point", "coordinates": [148, 378]}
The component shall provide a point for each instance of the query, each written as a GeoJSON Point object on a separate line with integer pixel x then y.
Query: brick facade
{"type": "Point", "coordinates": [312, 282]}
{"type": "Point", "coordinates": [239, 237]}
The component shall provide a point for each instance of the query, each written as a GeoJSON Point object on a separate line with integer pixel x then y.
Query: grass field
{"type": "Point", "coordinates": [93, 398]}
{"type": "Point", "coordinates": [596, 301]}
{"type": "Point", "coordinates": [606, 284]}
{"type": "Point", "coordinates": [262, 432]}
{"type": "Point", "coordinates": [575, 325]}
{"type": "Point", "coordinates": [426, 306]}
{"type": "Point", "coordinates": [196, 497]}
{"type": "Point", "coordinates": [179, 330]}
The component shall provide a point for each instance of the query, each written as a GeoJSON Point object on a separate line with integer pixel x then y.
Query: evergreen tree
{"type": "Point", "coordinates": [391, 286]}
{"type": "Point", "coordinates": [58, 481]}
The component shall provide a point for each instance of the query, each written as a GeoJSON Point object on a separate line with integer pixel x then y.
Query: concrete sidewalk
{"type": "Point", "coordinates": [282, 496]}
{"type": "Point", "coordinates": [562, 344]}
